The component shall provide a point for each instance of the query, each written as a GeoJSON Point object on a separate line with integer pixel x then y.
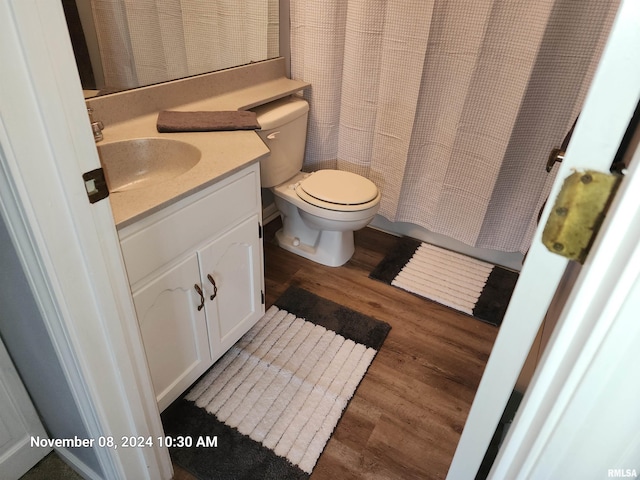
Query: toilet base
{"type": "Point", "coordinates": [323, 236]}
{"type": "Point", "coordinates": [332, 249]}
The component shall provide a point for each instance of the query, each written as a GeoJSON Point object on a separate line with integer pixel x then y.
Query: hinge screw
{"type": "Point", "coordinates": [586, 178]}
{"type": "Point", "coordinates": [561, 211]}
{"type": "Point", "coordinates": [558, 247]}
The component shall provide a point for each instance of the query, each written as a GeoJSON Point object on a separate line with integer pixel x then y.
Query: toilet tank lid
{"type": "Point", "coordinates": [280, 112]}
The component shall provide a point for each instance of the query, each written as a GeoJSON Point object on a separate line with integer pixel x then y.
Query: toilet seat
{"type": "Point", "coordinates": [338, 190]}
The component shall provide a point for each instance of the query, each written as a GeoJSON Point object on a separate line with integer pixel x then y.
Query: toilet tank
{"type": "Point", "coordinates": [284, 130]}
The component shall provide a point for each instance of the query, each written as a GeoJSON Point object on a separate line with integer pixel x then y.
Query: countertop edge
{"type": "Point", "coordinates": [123, 223]}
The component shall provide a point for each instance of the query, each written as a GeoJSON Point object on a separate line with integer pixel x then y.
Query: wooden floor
{"type": "Point", "coordinates": [406, 417]}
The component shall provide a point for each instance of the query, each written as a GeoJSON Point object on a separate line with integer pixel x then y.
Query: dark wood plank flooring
{"type": "Point", "coordinates": [406, 417]}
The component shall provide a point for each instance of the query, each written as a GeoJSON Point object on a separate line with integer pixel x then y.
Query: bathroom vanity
{"type": "Point", "coordinates": [191, 237]}
{"type": "Point", "coordinates": [195, 270]}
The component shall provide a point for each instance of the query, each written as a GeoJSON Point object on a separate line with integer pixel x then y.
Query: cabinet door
{"type": "Point", "coordinates": [234, 263]}
{"type": "Point", "coordinates": [174, 331]}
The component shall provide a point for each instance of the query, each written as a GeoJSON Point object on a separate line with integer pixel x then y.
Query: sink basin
{"type": "Point", "coordinates": [142, 162]}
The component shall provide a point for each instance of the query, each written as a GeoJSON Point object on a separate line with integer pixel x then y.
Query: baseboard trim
{"type": "Point", "coordinates": [269, 213]}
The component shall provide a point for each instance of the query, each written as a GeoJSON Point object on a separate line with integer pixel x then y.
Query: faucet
{"type": "Point", "coordinates": [96, 126]}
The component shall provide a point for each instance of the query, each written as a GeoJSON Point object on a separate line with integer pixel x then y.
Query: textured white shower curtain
{"type": "Point", "coordinates": [450, 106]}
{"type": "Point", "coordinates": [149, 41]}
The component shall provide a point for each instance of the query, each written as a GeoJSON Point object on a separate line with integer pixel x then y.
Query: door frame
{"type": "Point", "coordinates": [69, 248]}
{"type": "Point", "coordinates": [605, 117]}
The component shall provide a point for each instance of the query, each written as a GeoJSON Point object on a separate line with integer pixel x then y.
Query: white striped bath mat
{"type": "Point", "coordinates": [471, 286]}
{"type": "Point", "coordinates": [278, 394]}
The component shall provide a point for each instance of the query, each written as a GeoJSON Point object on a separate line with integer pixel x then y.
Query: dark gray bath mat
{"type": "Point", "coordinates": [471, 286]}
{"type": "Point", "coordinates": [273, 400]}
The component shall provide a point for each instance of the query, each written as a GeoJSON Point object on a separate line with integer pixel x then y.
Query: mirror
{"type": "Point", "coordinates": [123, 44]}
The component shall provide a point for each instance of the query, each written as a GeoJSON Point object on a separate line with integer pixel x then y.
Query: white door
{"type": "Point", "coordinates": [18, 423]}
{"type": "Point", "coordinates": [69, 248]}
{"type": "Point", "coordinates": [608, 109]}
{"type": "Point", "coordinates": [579, 417]}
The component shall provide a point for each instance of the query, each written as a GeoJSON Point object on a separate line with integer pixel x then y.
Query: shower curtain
{"type": "Point", "coordinates": [450, 106]}
{"type": "Point", "coordinates": [150, 41]}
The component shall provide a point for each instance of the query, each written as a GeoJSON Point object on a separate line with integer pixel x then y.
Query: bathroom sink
{"type": "Point", "coordinates": [143, 162]}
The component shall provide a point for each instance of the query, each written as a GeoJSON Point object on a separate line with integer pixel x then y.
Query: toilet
{"type": "Point", "coordinates": [320, 210]}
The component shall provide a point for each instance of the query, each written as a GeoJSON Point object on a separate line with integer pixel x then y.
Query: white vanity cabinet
{"type": "Point", "coordinates": [209, 242]}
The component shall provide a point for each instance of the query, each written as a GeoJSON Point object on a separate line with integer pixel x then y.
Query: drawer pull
{"type": "Point", "coordinates": [199, 290]}
{"type": "Point", "coordinates": [215, 287]}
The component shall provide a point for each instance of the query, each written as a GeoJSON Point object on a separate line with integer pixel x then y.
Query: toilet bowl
{"type": "Point", "coordinates": [314, 231]}
{"type": "Point", "coordinates": [320, 210]}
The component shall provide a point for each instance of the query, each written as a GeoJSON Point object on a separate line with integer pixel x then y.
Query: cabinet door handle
{"type": "Point", "coordinates": [215, 287]}
{"type": "Point", "coordinates": [199, 290]}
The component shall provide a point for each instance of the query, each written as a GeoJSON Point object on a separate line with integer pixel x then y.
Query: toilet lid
{"type": "Point", "coordinates": [339, 187]}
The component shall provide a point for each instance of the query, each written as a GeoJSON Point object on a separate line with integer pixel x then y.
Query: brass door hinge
{"type": "Point", "coordinates": [578, 213]}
